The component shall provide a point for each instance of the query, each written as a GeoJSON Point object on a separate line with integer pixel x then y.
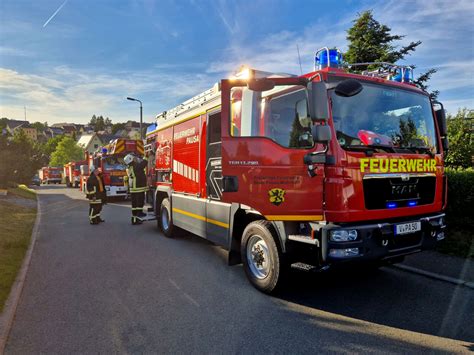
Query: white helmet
{"type": "Point", "coordinates": [128, 159]}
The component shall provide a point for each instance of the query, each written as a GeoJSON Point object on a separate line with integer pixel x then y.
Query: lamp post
{"type": "Point", "coordinates": [141, 115]}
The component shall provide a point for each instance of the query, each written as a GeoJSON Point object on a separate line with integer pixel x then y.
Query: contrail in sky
{"type": "Point", "coordinates": [55, 13]}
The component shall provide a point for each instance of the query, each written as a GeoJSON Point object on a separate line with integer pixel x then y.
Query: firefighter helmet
{"type": "Point", "coordinates": [128, 159]}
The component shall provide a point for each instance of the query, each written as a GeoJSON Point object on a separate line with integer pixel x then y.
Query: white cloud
{"type": "Point", "coordinates": [67, 94]}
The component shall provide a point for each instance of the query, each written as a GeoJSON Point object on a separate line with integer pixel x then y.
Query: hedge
{"type": "Point", "coordinates": [460, 207]}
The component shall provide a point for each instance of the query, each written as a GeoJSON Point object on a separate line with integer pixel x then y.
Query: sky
{"type": "Point", "coordinates": [66, 60]}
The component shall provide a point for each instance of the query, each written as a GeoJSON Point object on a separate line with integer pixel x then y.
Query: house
{"type": "Point", "coordinates": [15, 125]}
{"type": "Point", "coordinates": [90, 142]}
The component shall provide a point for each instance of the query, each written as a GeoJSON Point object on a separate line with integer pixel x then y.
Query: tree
{"type": "Point", "coordinates": [39, 126]}
{"type": "Point", "coordinates": [371, 41]}
{"type": "Point", "coordinates": [461, 139]}
{"type": "Point", "coordinates": [67, 150]}
{"type": "Point", "coordinates": [117, 127]}
{"type": "Point", "coordinates": [51, 145]}
{"type": "Point", "coordinates": [20, 157]}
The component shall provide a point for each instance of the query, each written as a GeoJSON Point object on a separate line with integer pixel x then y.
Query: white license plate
{"type": "Point", "coordinates": [407, 228]}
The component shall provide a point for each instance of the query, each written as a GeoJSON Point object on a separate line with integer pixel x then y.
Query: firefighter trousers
{"type": "Point", "coordinates": [94, 211]}
{"type": "Point", "coordinates": [138, 200]}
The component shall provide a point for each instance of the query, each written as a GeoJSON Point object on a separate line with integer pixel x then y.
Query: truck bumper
{"type": "Point", "coordinates": [382, 241]}
{"type": "Point", "coordinates": [113, 191]}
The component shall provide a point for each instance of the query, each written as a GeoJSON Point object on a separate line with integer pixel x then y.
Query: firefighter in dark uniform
{"type": "Point", "coordinates": [137, 184]}
{"type": "Point", "coordinates": [96, 194]}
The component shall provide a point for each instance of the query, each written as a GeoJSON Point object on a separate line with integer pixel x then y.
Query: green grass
{"type": "Point", "coordinates": [23, 191]}
{"type": "Point", "coordinates": [16, 225]}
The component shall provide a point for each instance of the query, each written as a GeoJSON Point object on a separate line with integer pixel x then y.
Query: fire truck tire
{"type": "Point", "coordinates": [165, 221]}
{"type": "Point", "coordinates": [264, 263]}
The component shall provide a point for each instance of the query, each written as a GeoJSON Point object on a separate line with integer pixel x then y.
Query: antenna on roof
{"type": "Point", "coordinates": [299, 58]}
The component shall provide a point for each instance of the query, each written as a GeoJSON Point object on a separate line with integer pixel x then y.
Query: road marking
{"type": "Point", "coordinates": [435, 276]}
{"type": "Point", "coordinates": [188, 297]}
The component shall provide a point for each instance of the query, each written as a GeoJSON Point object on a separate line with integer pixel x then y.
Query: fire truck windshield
{"type": "Point", "coordinates": [114, 163]}
{"type": "Point", "coordinates": [388, 118]}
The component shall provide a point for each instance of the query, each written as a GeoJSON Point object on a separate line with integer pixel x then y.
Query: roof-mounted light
{"type": "Point", "coordinates": [402, 75]}
{"type": "Point", "coordinates": [244, 73]}
{"type": "Point", "coordinates": [326, 57]}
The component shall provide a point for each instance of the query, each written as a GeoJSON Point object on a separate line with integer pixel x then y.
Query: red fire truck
{"type": "Point", "coordinates": [109, 159]}
{"type": "Point", "coordinates": [72, 173]}
{"type": "Point", "coordinates": [50, 175]}
{"type": "Point", "coordinates": [320, 169]}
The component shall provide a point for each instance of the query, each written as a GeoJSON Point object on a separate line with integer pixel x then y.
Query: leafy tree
{"type": "Point", "coordinates": [3, 123]}
{"type": "Point", "coordinates": [117, 127]}
{"type": "Point", "coordinates": [371, 41]}
{"type": "Point", "coordinates": [39, 126]}
{"type": "Point", "coordinates": [108, 122]}
{"type": "Point", "coordinates": [67, 150]}
{"type": "Point", "coordinates": [51, 145]}
{"type": "Point", "coordinates": [20, 157]}
{"type": "Point", "coordinates": [461, 139]}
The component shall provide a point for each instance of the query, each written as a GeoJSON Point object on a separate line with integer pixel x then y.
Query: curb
{"type": "Point", "coordinates": [9, 310]}
{"type": "Point", "coordinates": [435, 276]}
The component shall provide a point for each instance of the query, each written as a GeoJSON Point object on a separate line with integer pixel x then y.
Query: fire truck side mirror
{"type": "Point", "coordinates": [441, 118]}
{"type": "Point", "coordinates": [318, 101]}
{"type": "Point", "coordinates": [321, 134]}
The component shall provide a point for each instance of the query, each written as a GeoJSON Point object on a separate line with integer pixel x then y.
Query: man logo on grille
{"type": "Point", "coordinates": [276, 196]}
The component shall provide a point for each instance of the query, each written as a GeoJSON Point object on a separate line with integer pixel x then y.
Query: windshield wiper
{"type": "Point", "coordinates": [370, 148]}
{"type": "Point", "coordinates": [420, 149]}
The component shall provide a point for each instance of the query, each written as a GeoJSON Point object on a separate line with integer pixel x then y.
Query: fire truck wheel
{"type": "Point", "coordinates": [164, 220]}
{"type": "Point", "coordinates": [262, 257]}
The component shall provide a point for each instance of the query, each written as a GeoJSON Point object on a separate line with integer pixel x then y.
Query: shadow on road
{"type": "Point", "coordinates": [387, 297]}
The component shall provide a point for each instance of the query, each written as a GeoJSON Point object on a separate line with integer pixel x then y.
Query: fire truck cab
{"type": "Point", "coordinates": [325, 168]}
{"type": "Point", "coordinates": [109, 160]}
{"type": "Point", "coordinates": [72, 173]}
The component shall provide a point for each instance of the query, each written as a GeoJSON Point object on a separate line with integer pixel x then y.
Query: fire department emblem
{"type": "Point", "coordinates": [276, 196]}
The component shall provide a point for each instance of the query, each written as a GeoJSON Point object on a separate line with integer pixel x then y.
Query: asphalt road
{"type": "Point", "coordinates": [122, 288]}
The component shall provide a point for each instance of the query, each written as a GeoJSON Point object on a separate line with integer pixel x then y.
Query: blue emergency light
{"type": "Point", "coordinates": [403, 75]}
{"type": "Point", "coordinates": [412, 203]}
{"type": "Point", "coordinates": [326, 57]}
{"type": "Point", "coordinates": [104, 150]}
{"type": "Point", "coordinates": [391, 204]}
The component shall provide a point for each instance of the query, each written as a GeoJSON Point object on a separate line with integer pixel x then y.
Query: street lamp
{"type": "Point", "coordinates": [141, 115]}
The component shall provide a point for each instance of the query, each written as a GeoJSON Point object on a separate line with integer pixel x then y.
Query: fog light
{"type": "Point", "coordinates": [343, 253]}
{"type": "Point", "coordinates": [343, 235]}
{"type": "Point", "coordinates": [440, 236]}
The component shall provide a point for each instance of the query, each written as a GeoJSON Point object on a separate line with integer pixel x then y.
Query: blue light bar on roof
{"type": "Point", "coordinates": [403, 75]}
{"type": "Point", "coordinates": [326, 57]}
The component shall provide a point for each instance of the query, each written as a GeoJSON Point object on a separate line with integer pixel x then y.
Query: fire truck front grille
{"type": "Point", "coordinates": [380, 193]}
{"type": "Point", "coordinates": [116, 180]}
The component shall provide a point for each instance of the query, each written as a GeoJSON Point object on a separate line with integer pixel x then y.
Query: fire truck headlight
{"type": "Point", "coordinates": [343, 235]}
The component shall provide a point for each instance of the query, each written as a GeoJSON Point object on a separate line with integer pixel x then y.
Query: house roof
{"type": "Point", "coordinates": [85, 139]}
{"type": "Point", "coordinates": [12, 124]}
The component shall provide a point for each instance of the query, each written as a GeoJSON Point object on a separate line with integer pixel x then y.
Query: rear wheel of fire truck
{"type": "Point", "coordinates": [263, 260]}
{"type": "Point", "coordinates": [164, 221]}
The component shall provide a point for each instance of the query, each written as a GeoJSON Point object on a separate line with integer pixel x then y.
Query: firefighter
{"type": "Point", "coordinates": [137, 184]}
{"type": "Point", "coordinates": [96, 194]}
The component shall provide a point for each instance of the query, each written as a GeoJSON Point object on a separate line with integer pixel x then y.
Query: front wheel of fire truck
{"type": "Point", "coordinates": [262, 258]}
{"type": "Point", "coordinates": [164, 220]}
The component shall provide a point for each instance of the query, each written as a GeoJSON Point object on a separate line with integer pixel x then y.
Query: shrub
{"type": "Point", "coordinates": [460, 196]}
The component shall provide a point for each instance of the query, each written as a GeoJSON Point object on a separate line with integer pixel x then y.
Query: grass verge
{"type": "Point", "coordinates": [23, 191]}
{"type": "Point", "coordinates": [16, 225]}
